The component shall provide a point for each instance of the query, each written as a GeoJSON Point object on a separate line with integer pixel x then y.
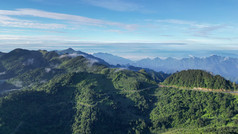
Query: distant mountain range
{"type": "Point", "coordinates": [124, 63]}
{"type": "Point", "coordinates": [225, 66]}
{"type": "Point", "coordinates": [112, 59]}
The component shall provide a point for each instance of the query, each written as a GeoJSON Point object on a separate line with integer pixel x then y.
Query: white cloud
{"type": "Point", "coordinates": [176, 21]}
{"type": "Point", "coordinates": [137, 57]}
{"type": "Point", "coordinates": [6, 21]}
{"type": "Point", "coordinates": [117, 5]}
{"type": "Point", "coordinates": [183, 22]}
{"type": "Point", "coordinates": [79, 20]}
{"type": "Point", "coordinates": [23, 38]}
{"type": "Point", "coordinates": [195, 28]}
{"type": "Point", "coordinates": [73, 55]}
{"type": "Point", "coordinates": [47, 70]}
{"type": "Point", "coordinates": [206, 31]}
{"type": "Point", "coordinates": [2, 73]}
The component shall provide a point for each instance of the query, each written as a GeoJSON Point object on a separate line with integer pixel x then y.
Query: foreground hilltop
{"type": "Point", "coordinates": [22, 68]}
{"type": "Point", "coordinates": [199, 79]}
{"type": "Point", "coordinates": [73, 94]}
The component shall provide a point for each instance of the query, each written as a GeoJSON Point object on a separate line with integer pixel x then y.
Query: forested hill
{"type": "Point", "coordinates": [115, 102]}
{"type": "Point", "coordinates": [73, 94]}
{"type": "Point", "coordinates": [199, 79]}
{"type": "Point", "coordinates": [22, 68]}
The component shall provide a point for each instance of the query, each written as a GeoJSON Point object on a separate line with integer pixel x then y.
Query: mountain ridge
{"type": "Point", "coordinates": [73, 94]}
{"type": "Point", "coordinates": [224, 66]}
{"type": "Point", "coordinates": [74, 53]}
{"type": "Point", "coordinates": [24, 68]}
{"type": "Point", "coordinates": [114, 60]}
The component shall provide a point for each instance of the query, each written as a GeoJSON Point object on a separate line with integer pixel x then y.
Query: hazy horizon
{"type": "Point", "coordinates": [133, 29]}
{"type": "Point", "coordinates": [162, 54]}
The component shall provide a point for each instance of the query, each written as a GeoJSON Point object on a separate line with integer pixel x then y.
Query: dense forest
{"type": "Point", "coordinates": [97, 103]}
{"type": "Point", "coordinates": [188, 111]}
{"type": "Point", "coordinates": [199, 78]}
{"type": "Point", "coordinates": [76, 95]}
{"type": "Point", "coordinates": [74, 103]}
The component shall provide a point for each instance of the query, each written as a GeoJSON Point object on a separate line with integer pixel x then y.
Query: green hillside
{"type": "Point", "coordinates": [22, 68]}
{"type": "Point", "coordinates": [19, 61]}
{"type": "Point", "coordinates": [76, 95]}
{"type": "Point", "coordinates": [198, 78]}
{"type": "Point", "coordinates": [79, 103]}
{"type": "Point", "coordinates": [195, 112]}
{"type": "Point", "coordinates": [96, 103]}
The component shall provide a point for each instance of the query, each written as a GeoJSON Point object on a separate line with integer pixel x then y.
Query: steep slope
{"type": "Point", "coordinates": [198, 79]}
{"type": "Point", "coordinates": [194, 112]}
{"type": "Point", "coordinates": [115, 102]}
{"type": "Point", "coordinates": [73, 53]}
{"type": "Point", "coordinates": [24, 69]}
{"type": "Point", "coordinates": [111, 102]}
{"type": "Point", "coordinates": [96, 59]}
{"type": "Point", "coordinates": [19, 61]}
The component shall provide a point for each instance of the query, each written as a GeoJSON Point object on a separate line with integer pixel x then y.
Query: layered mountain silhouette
{"type": "Point", "coordinates": [224, 66]}
{"type": "Point", "coordinates": [112, 59]}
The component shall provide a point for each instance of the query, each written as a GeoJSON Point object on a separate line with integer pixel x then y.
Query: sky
{"type": "Point", "coordinates": [132, 29]}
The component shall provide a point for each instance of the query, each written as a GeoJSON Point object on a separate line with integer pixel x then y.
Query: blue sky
{"type": "Point", "coordinates": [130, 28]}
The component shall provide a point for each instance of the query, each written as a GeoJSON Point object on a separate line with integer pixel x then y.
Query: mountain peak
{"type": "Point", "coordinates": [17, 50]}
{"type": "Point", "coordinates": [70, 49]}
{"type": "Point", "coordinates": [112, 59]}
{"type": "Point", "coordinates": [215, 56]}
{"type": "Point", "coordinates": [198, 79]}
{"type": "Point", "coordinates": [66, 51]}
